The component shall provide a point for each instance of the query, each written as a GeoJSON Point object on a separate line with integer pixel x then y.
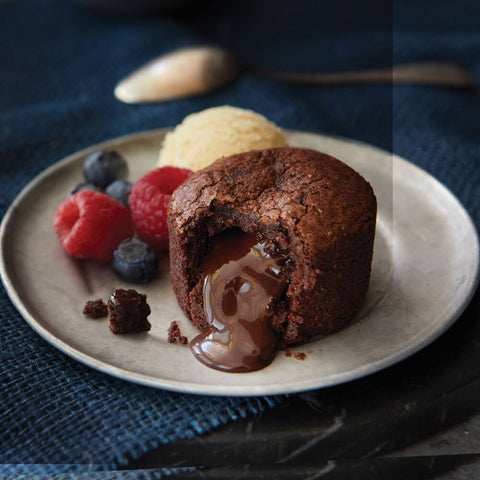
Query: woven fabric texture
{"type": "Point", "coordinates": [60, 63]}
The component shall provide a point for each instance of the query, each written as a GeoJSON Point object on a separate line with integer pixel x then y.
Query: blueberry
{"type": "Point", "coordinates": [135, 261]}
{"type": "Point", "coordinates": [103, 167]}
{"type": "Point", "coordinates": [120, 190]}
{"type": "Point", "coordinates": [83, 186]}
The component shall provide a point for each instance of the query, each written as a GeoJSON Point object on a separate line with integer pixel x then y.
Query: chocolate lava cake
{"type": "Point", "coordinates": [315, 210]}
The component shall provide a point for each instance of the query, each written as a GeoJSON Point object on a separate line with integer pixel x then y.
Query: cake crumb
{"type": "Point", "coordinates": [300, 355]}
{"type": "Point", "coordinates": [95, 309]}
{"type": "Point", "coordinates": [175, 334]}
{"type": "Point", "coordinates": [128, 311]}
{"type": "Point", "coordinates": [288, 352]}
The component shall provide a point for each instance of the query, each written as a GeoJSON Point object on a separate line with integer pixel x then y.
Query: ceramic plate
{"type": "Point", "coordinates": [425, 270]}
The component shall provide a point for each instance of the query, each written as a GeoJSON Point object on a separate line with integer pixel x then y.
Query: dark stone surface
{"type": "Point", "coordinates": [369, 428]}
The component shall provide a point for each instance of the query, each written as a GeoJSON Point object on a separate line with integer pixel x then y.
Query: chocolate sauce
{"type": "Point", "coordinates": [240, 282]}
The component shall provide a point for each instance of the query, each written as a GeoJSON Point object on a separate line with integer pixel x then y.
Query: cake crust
{"type": "Point", "coordinates": [306, 203]}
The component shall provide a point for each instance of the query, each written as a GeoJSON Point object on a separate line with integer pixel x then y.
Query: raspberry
{"type": "Point", "coordinates": [91, 225]}
{"type": "Point", "coordinates": [148, 202]}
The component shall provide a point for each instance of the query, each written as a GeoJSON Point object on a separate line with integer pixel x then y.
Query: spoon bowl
{"type": "Point", "coordinates": [182, 73]}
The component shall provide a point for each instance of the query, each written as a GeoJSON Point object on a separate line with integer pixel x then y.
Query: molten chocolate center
{"type": "Point", "coordinates": [241, 281]}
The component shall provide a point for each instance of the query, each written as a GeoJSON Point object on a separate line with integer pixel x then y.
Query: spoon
{"type": "Point", "coordinates": [196, 70]}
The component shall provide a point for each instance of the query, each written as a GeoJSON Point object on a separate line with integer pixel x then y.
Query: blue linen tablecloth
{"type": "Point", "coordinates": [60, 63]}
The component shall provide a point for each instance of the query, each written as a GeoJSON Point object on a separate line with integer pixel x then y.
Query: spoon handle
{"type": "Point", "coordinates": [442, 74]}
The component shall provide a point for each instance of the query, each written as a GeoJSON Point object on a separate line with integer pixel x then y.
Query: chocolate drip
{"type": "Point", "coordinates": [240, 282]}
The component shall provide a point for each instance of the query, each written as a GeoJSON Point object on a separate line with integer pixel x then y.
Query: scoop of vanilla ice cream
{"type": "Point", "coordinates": [205, 136]}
